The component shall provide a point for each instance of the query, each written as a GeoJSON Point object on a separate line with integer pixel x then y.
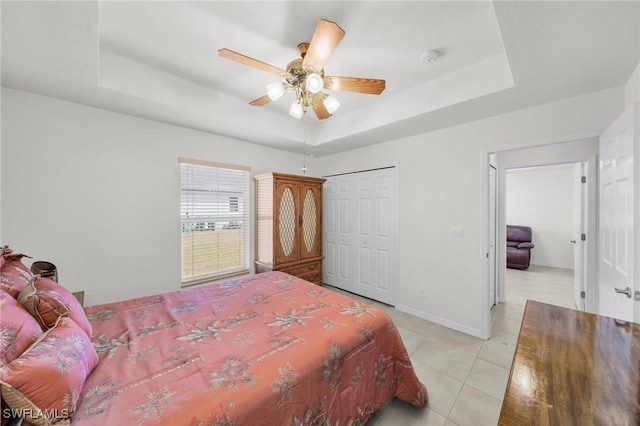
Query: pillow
{"type": "Point", "coordinates": [45, 382]}
{"type": "Point", "coordinates": [14, 275]}
{"type": "Point", "coordinates": [47, 300]}
{"type": "Point", "coordinates": [18, 329]}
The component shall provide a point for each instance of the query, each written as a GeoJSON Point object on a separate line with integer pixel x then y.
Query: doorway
{"type": "Point", "coordinates": [536, 154]}
{"type": "Point", "coordinates": [547, 199]}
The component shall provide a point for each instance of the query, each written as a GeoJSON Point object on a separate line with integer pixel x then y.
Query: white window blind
{"type": "Point", "coordinates": [214, 211]}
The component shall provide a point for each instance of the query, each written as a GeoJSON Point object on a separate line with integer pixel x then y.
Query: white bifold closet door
{"type": "Point", "coordinates": [361, 233]}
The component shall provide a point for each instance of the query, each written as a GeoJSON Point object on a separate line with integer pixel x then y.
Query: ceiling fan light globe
{"type": "Point", "coordinates": [296, 110]}
{"type": "Point", "coordinates": [315, 83]}
{"type": "Point", "coordinates": [275, 91]}
{"type": "Point", "coordinates": [331, 104]}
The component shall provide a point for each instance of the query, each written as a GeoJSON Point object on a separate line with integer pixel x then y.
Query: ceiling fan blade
{"type": "Point", "coordinates": [319, 108]}
{"type": "Point", "coordinates": [243, 59]}
{"type": "Point", "coordinates": [327, 37]}
{"type": "Point", "coordinates": [369, 86]}
{"type": "Point", "coordinates": [263, 100]}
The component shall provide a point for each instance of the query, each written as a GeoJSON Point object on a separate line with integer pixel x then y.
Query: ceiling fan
{"type": "Point", "coordinates": [305, 76]}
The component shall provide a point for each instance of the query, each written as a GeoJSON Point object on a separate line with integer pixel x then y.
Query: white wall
{"type": "Point", "coordinates": [442, 183]}
{"type": "Point", "coordinates": [97, 193]}
{"type": "Point", "coordinates": [72, 179]}
{"type": "Point", "coordinates": [543, 198]}
{"type": "Point", "coordinates": [632, 88]}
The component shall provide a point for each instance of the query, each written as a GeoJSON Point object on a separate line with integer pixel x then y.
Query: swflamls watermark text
{"type": "Point", "coordinates": [35, 413]}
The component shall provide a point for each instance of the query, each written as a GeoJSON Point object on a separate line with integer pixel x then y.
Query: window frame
{"type": "Point", "coordinates": [238, 208]}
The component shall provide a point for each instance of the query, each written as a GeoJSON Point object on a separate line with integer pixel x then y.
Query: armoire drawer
{"type": "Point", "coordinates": [314, 267]}
{"type": "Point", "coordinates": [312, 277]}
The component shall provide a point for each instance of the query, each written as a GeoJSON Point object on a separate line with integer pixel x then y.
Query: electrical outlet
{"type": "Point", "coordinates": [423, 292]}
{"type": "Point", "coordinates": [457, 232]}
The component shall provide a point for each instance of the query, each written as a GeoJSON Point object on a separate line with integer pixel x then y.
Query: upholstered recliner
{"type": "Point", "coordinates": [519, 246]}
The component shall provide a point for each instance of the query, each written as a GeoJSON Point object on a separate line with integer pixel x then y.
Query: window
{"type": "Point", "coordinates": [214, 211]}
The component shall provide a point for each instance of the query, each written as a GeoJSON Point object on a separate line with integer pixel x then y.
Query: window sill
{"type": "Point", "coordinates": [213, 277]}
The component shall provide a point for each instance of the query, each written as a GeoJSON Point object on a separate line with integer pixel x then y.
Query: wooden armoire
{"type": "Point", "coordinates": [289, 225]}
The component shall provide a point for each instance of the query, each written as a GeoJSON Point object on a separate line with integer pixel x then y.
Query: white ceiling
{"type": "Point", "coordinates": [159, 60]}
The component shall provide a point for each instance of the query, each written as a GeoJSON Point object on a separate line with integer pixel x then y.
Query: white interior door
{"type": "Point", "coordinates": [361, 233]}
{"type": "Point", "coordinates": [617, 219]}
{"type": "Point", "coordinates": [492, 235]}
{"type": "Point", "coordinates": [579, 212]}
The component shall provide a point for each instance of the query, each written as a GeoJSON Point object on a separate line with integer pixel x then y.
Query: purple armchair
{"type": "Point", "coordinates": [519, 246]}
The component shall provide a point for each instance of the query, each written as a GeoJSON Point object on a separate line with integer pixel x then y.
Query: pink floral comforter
{"type": "Point", "coordinates": [268, 349]}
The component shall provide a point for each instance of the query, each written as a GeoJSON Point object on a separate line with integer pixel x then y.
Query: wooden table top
{"type": "Point", "coordinates": [573, 368]}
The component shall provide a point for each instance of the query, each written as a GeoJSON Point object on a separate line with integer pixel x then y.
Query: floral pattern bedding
{"type": "Point", "coordinates": [267, 349]}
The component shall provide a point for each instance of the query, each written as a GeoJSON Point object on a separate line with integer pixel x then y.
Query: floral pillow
{"type": "Point", "coordinates": [18, 329]}
{"type": "Point", "coordinates": [45, 382]}
{"type": "Point", "coordinates": [14, 275]}
{"type": "Point", "coordinates": [47, 300]}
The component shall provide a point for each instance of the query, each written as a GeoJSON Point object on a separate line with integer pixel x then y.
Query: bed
{"type": "Point", "coordinates": [265, 349]}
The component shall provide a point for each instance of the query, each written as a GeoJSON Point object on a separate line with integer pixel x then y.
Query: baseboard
{"type": "Point", "coordinates": [475, 332]}
{"type": "Point", "coordinates": [553, 265]}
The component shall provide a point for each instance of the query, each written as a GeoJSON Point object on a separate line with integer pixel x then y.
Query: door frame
{"type": "Point", "coordinates": [493, 224]}
{"type": "Point", "coordinates": [501, 214]}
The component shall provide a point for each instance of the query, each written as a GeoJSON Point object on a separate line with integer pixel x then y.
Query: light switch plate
{"type": "Point", "coordinates": [457, 232]}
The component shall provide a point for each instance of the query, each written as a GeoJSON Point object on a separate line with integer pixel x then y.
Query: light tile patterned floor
{"type": "Point", "coordinates": [466, 376]}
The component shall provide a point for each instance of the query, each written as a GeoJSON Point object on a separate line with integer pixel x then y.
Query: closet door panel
{"type": "Point", "coordinates": [330, 233]}
{"type": "Point", "coordinates": [364, 275]}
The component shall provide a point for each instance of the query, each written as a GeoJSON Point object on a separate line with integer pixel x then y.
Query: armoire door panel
{"type": "Point", "coordinates": [311, 221]}
{"type": "Point", "coordinates": [287, 213]}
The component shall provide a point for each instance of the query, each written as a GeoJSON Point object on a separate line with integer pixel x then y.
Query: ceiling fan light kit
{"type": "Point", "coordinates": [331, 104]}
{"type": "Point", "coordinates": [305, 76]}
{"type": "Point", "coordinates": [275, 91]}
{"type": "Point", "coordinates": [315, 83]}
{"type": "Point", "coordinates": [296, 110]}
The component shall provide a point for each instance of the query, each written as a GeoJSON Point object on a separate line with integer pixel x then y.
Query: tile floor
{"type": "Point", "coordinates": [467, 376]}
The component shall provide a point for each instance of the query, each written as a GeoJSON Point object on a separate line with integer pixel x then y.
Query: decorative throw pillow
{"type": "Point", "coordinates": [14, 275]}
{"type": "Point", "coordinates": [47, 300]}
{"type": "Point", "coordinates": [18, 329]}
{"type": "Point", "coordinates": [45, 382]}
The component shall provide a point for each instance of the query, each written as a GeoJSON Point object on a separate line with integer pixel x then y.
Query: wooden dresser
{"type": "Point", "coordinates": [573, 368]}
{"type": "Point", "coordinates": [289, 225]}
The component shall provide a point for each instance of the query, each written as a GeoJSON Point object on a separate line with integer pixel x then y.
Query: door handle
{"type": "Point", "coordinates": [572, 241]}
{"type": "Point", "coordinates": [626, 291]}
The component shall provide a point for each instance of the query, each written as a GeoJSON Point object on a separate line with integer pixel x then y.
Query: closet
{"type": "Point", "coordinates": [361, 232]}
{"type": "Point", "coordinates": [289, 225]}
